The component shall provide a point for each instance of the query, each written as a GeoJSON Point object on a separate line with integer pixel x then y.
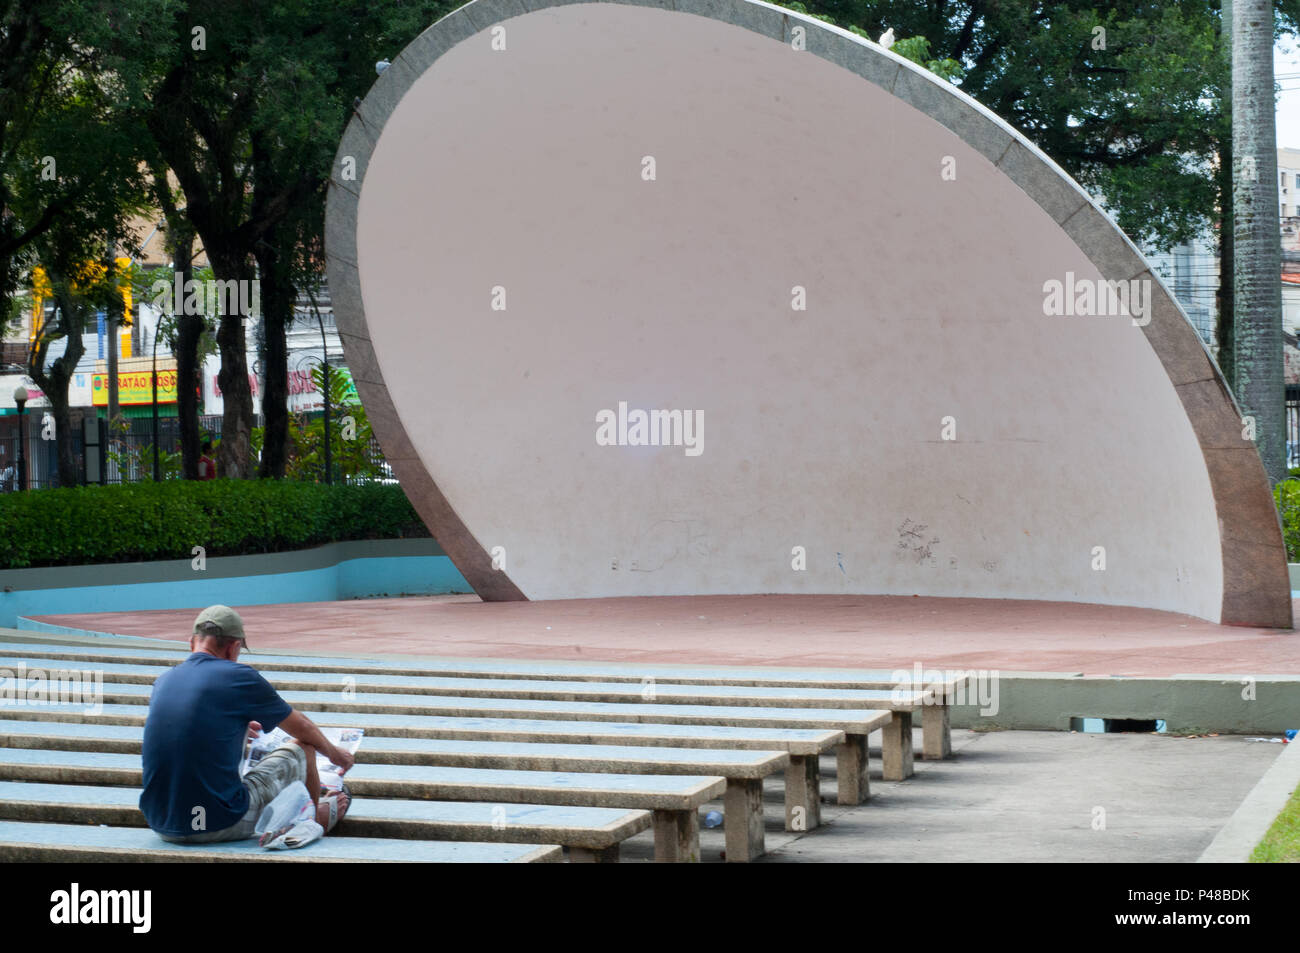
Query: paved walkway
{"type": "Point", "coordinates": [1028, 796]}
{"type": "Point", "coordinates": [795, 631]}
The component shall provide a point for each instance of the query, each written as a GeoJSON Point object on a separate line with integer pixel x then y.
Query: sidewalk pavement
{"type": "Point", "coordinates": [1027, 797]}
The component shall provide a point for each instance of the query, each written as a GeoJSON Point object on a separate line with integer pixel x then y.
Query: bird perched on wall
{"type": "Point", "coordinates": [381, 66]}
{"type": "Point", "coordinates": [887, 38]}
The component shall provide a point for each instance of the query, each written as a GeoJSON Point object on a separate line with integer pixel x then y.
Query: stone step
{"type": "Point", "coordinates": [743, 770]}
{"type": "Point", "coordinates": [125, 739]}
{"type": "Point", "coordinates": [946, 688]}
{"type": "Point", "coordinates": [859, 721]}
{"type": "Point", "coordinates": [896, 726]}
{"type": "Point", "coordinates": [674, 799]}
{"type": "Point", "coordinates": [169, 653]}
{"type": "Point", "coordinates": [585, 830]}
{"type": "Point", "coordinates": [22, 841]}
{"type": "Point", "coordinates": [802, 776]}
{"type": "Point", "coordinates": [796, 741]}
{"type": "Point", "coordinates": [565, 691]}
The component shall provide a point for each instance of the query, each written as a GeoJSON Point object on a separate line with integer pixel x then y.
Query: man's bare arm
{"type": "Point", "coordinates": [303, 729]}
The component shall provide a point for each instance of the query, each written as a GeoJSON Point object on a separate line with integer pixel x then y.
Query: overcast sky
{"type": "Point", "coordinates": [1286, 67]}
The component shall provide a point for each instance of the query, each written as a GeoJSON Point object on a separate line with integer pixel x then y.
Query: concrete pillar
{"type": "Point", "coordinates": [936, 732]}
{"type": "Point", "coordinates": [803, 793]}
{"type": "Point", "coordinates": [588, 855]}
{"type": "Point", "coordinates": [897, 747]}
{"type": "Point", "coordinates": [851, 770]}
{"type": "Point", "coordinates": [743, 817]}
{"type": "Point", "coordinates": [677, 837]}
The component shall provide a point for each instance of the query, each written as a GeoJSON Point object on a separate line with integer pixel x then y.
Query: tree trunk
{"type": "Point", "coordinates": [189, 329]}
{"type": "Point", "coordinates": [55, 381]}
{"type": "Point", "coordinates": [234, 457]}
{"type": "Point", "coordinates": [8, 282]}
{"type": "Point", "coordinates": [1257, 286]}
{"type": "Point", "coordinates": [1224, 337]}
{"type": "Point", "coordinates": [278, 297]}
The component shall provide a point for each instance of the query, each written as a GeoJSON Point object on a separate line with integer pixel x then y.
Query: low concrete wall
{"type": "Point", "coordinates": [1188, 704]}
{"type": "Point", "coordinates": [346, 570]}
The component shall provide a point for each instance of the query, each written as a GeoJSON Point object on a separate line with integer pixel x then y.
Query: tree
{"type": "Point", "coordinates": [77, 287]}
{"type": "Point", "coordinates": [1224, 325]}
{"type": "Point", "coordinates": [69, 181]}
{"type": "Point", "coordinates": [1257, 258]}
{"type": "Point", "coordinates": [350, 437]}
{"type": "Point", "coordinates": [188, 328]}
{"type": "Point", "coordinates": [198, 101]}
{"type": "Point", "coordinates": [245, 105]}
{"type": "Point", "coordinates": [67, 323]}
{"type": "Point", "coordinates": [315, 58]}
{"type": "Point", "coordinates": [64, 133]}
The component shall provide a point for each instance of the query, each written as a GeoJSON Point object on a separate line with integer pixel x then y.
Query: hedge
{"type": "Point", "coordinates": [1287, 495]}
{"type": "Point", "coordinates": [145, 521]}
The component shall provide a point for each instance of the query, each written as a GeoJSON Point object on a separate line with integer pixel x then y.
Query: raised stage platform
{"type": "Point", "coordinates": [782, 630]}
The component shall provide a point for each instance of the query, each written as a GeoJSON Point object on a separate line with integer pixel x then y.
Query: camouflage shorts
{"type": "Point", "coordinates": [266, 779]}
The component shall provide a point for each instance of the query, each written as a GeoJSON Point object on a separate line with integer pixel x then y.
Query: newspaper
{"type": "Point", "coordinates": [349, 739]}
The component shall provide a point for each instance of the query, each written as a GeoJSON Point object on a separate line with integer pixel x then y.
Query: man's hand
{"type": "Point", "coordinates": [254, 728]}
{"type": "Point", "coordinates": [343, 760]}
{"type": "Point", "coordinates": [303, 729]}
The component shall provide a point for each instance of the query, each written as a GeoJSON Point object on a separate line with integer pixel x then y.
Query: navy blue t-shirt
{"type": "Point", "coordinates": [194, 742]}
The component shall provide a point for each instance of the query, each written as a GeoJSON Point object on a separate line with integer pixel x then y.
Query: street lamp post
{"type": "Point", "coordinates": [20, 399]}
{"type": "Point", "coordinates": [325, 363]}
{"type": "Point", "coordinates": [157, 466]}
{"type": "Point", "coordinates": [325, 367]}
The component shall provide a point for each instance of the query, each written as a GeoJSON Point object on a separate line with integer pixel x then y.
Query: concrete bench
{"type": "Point", "coordinates": [76, 843]}
{"type": "Point", "coordinates": [935, 715]}
{"type": "Point", "coordinates": [744, 771]}
{"type": "Point", "coordinates": [674, 800]}
{"type": "Point", "coordinates": [592, 834]}
{"type": "Point", "coordinates": [803, 745]}
{"type": "Point", "coordinates": [896, 727]}
{"type": "Point", "coordinates": [726, 705]}
{"type": "Point", "coordinates": [542, 689]}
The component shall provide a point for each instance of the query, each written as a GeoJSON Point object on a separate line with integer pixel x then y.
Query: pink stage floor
{"type": "Point", "coordinates": [797, 631]}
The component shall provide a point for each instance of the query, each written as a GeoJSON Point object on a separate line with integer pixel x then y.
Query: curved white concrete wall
{"type": "Point", "coordinates": [822, 427]}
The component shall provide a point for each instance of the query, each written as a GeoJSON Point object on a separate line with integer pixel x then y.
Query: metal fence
{"type": "Point", "coordinates": [126, 456]}
{"type": "Point", "coordinates": [1293, 425]}
{"type": "Point", "coordinates": [41, 455]}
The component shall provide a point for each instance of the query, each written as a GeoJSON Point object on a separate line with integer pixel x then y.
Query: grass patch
{"type": "Point", "coordinates": [1281, 845]}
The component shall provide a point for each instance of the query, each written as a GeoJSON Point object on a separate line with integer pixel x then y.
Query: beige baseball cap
{"type": "Point", "coordinates": [220, 620]}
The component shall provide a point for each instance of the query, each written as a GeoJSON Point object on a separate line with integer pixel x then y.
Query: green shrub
{"type": "Point", "coordinates": [1287, 495]}
{"type": "Point", "coordinates": [144, 521]}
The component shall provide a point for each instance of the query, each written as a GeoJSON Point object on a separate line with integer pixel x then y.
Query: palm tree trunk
{"type": "Point", "coordinates": [1257, 243]}
{"type": "Point", "coordinates": [1224, 337]}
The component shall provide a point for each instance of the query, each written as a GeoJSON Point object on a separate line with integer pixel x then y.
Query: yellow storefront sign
{"type": "Point", "coordinates": [134, 387]}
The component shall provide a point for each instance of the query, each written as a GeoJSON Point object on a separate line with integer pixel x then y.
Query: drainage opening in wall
{"type": "Point", "coordinates": [1117, 725]}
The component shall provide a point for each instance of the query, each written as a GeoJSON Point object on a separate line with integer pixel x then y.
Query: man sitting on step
{"type": "Point", "coordinates": [200, 716]}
